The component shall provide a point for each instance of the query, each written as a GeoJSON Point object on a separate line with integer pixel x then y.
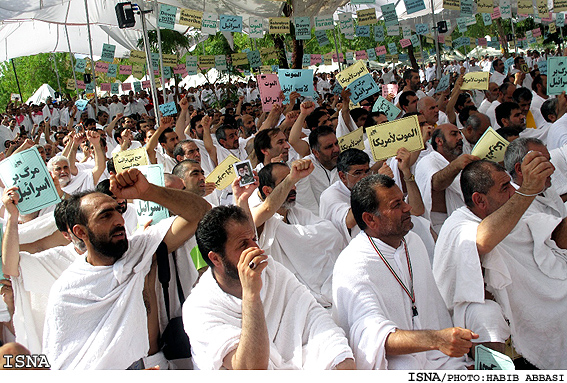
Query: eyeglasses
{"type": "Point", "coordinates": [359, 173]}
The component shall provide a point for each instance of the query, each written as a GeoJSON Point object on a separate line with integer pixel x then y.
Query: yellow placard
{"type": "Point", "coordinates": [395, 58]}
{"type": "Point", "coordinates": [559, 6]}
{"type": "Point", "coordinates": [351, 73]}
{"type": "Point", "coordinates": [191, 18]}
{"type": "Point", "coordinates": [491, 146]}
{"type": "Point", "coordinates": [476, 80]}
{"type": "Point", "coordinates": [268, 53]}
{"type": "Point", "coordinates": [223, 175]}
{"type": "Point", "coordinates": [138, 71]}
{"type": "Point", "coordinates": [71, 84]}
{"type": "Point", "coordinates": [352, 140]}
{"type": "Point", "coordinates": [552, 28]}
{"type": "Point", "coordinates": [158, 82]}
{"type": "Point", "coordinates": [265, 69]}
{"type": "Point", "coordinates": [207, 61]}
{"type": "Point", "coordinates": [385, 139]}
{"type": "Point", "coordinates": [452, 4]}
{"type": "Point", "coordinates": [279, 25]}
{"type": "Point", "coordinates": [170, 60]}
{"type": "Point", "coordinates": [484, 6]}
{"type": "Point", "coordinates": [525, 7]}
{"type": "Point", "coordinates": [239, 59]}
{"type": "Point", "coordinates": [366, 16]}
{"type": "Point", "coordinates": [128, 158]}
{"type": "Point", "coordinates": [138, 57]}
{"type": "Point", "coordinates": [328, 59]}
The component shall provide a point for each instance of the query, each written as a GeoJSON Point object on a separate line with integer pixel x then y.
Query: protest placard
{"type": "Point", "coordinates": [191, 18]}
{"type": "Point", "coordinates": [147, 210]}
{"type": "Point", "coordinates": [351, 73]}
{"type": "Point", "coordinates": [278, 25]}
{"type": "Point", "coordinates": [393, 30]}
{"type": "Point", "coordinates": [298, 80]}
{"type": "Point", "coordinates": [443, 83]}
{"type": "Point", "coordinates": [209, 23]}
{"type": "Point", "coordinates": [476, 80]}
{"type": "Point", "coordinates": [354, 139]}
{"type": "Point", "coordinates": [346, 23]}
{"type": "Point", "coordinates": [112, 70]}
{"type": "Point", "coordinates": [70, 85]}
{"type": "Point", "coordinates": [108, 52]}
{"type": "Point", "coordinates": [105, 87]}
{"type": "Point", "coordinates": [322, 38]}
{"type": "Point", "coordinates": [422, 29]}
{"type": "Point", "coordinates": [362, 87]}
{"type": "Point", "coordinates": [389, 14]}
{"type": "Point", "coordinates": [556, 75]}
{"type": "Point", "coordinates": [366, 16]}
{"type": "Point", "coordinates": [413, 6]}
{"type": "Point", "coordinates": [101, 67]}
{"type": "Point", "coordinates": [220, 62]}
{"type": "Point", "coordinates": [80, 65]}
{"type": "Point", "coordinates": [207, 61]}
{"type": "Point", "coordinates": [269, 88]}
{"type": "Point", "coordinates": [393, 49]}
{"type": "Point", "coordinates": [324, 22]}
{"type": "Point", "coordinates": [125, 69]}
{"type": "Point", "coordinates": [362, 31]}
{"type": "Point", "coordinates": [385, 139]}
{"type": "Point", "coordinates": [256, 26]}
{"type": "Point", "coordinates": [114, 88]}
{"type": "Point", "coordinates": [126, 87]}
{"type": "Point", "coordinates": [239, 59]}
{"type": "Point", "coordinates": [81, 104]}
{"type": "Point", "coordinates": [230, 23]}
{"type": "Point", "coordinates": [254, 58]}
{"type": "Point", "coordinates": [542, 66]}
{"type": "Point", "coordinates": [488, 359]}
{"type": "Point", "coordinates": [28, 172]}
{"type": "Point", "coordinates": [138, 71]}
{"type": "Point", "coordinates": [490, 146]}
{"type": "Point", "coordinates": [168, 109]}
{"type": "Point", "coordinates": [404, 43]}
{"type": "Point", "coordinates": [127, 159]}
{"type": "Point", "coordinates": [302, 27]}
{"type": "Point", "coordinates": [223, 175]}
{"type": "Point", "coordinates": [138, 57]}
{"type": "Point", "coordinates": [378, 33]}
{"type": "Point", "coordinates": [385, 106]}
{"type": "Point", "coordinates": [166, 16]}
{"type": "Point", "coordinates": [484, 6]}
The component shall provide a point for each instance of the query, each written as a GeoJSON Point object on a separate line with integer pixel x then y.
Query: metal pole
{"type": "Point", "coordinates": [337, 48]}
{"type": "Point", "coordinates": [56, 73]}
{"type": "Point", "coordinates": [160, 52]}
{"type": "Point", "coordinates": [92, 59]}
{"type": "Point", "coordinates": [71, 55]}
{"type": "Point", "coordinates": [437, 53]}
{"type": "Point", "coordinates": [17, 82]}
{"type": "Point", "coordinates": [149, 61]}
{"type": "Point", "coordinates": [514, 34]}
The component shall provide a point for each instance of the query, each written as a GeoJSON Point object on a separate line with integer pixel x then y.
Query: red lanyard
{"type": "Point", "coordinates": [411, 293]}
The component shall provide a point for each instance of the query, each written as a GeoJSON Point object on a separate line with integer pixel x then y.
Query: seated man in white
{"type": "Point", "coordinates": [96, 317]}
{"type": "Point", "coordinates": [524, 257]}
{"type": "Point", "coordinates": [384, 294]}
{"type": "Point", "coordinates": [249, 312]}
{"type": "Point", "coordinates": [437, 174]}
{"type": "Point", "coordinates": [305, 244]}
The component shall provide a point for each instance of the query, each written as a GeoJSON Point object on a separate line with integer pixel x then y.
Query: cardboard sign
{"type": "Point", "coordinates": [385, 139]}
{"type": "Point", "coordinates": [147, 210]}
{"type": "Point", "coordinates": [166, 16]}
{"type": "Point", "coordinates": [127, 159]}
{"type": "Point", "coordinates": [476, 80]}
{"type": "Point", "coordinates": [230, 23]}
{"type": "Point", "coordinates": [393, 30]}
{"type": "Point", "coordinates": [256, 26]}
{"type": "Point", "coordinates": [80, 65]}
{"type": "Point", "coordinates": [362, 88]}
{"type": "Point", "coordinates": [351, 73]}
{"type": "Point", "coordinates": [278, 25]}
{"type": "Point", "coordinates": [302, 28]}
{"type": "Point", "coordinates": [413, 6]}
{"type": "Point", "coordinates": [108, 52]}
{"type": "Point", "coordinates": [101, 67]}
{"type": "Point", "coordinates": [298, 80]}
{"type": "Point", "coordinates": [422, 29]}
{"type": "Point", "coordinates": [138, 57]}
{"type": "Point", "coordinates": [556, 75]}
{"type": "Point", "coordinates": [386, 107]}
{"type": "Point", "coordinates": [490, 146]}
{"type": "Point", "coordinates": [487, 359]}
{"type": "Point", "coordinates": [81, 104]}
{"type": "Point", "coordinates": [125, 69]}
{"type": "Point", "coordinates": [346, 23]}
{"type": "Point", "coordinates": [28, 172]}
{"type": "Point", "coordinates": [269, 88]}
{"type": "Point", "coordinates": [354, 139]}
{"type": "Point", "coordinates": [324, 22]}
{"type": "Point", "coordinates": [443, 83]}
{"type": "Point", "coordinates": [367, 16]}
{"type": "Point", "coordinates": [209, 23]}
{"type": "Point", "coordinates": [362, 31]}
{"type": "Point", "coordinates": [168, 109]}
{"type": "Point", "coordinates": [389, 14]}
{"type": "Point", "coordinates": [223, 175]}
{"type": "Point", "coordinates": [191, 18]}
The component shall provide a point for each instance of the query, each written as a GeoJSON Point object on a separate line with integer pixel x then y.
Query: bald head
{"type": "Point", "coordinates": [475, 126]}
{"type": "Point", "coordinates": [428, 107]}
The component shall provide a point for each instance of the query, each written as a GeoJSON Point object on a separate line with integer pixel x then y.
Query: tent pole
{"type": "Point", "coordinates": [337, 48]}
{"type": "Point", "coordinates": [437, 53]}
{"type": "Point", "coordinates": [56, 72]}
{"type": "Point", "coordinates": [160, 51]}
{"type": "Point", "coordinates": [92, 59]}
{"type": "Point", "coordinates": [71, 56]}
{"type": "Point", "coordinates": [17, 82]}
{"type": "Point", "coordinates": [149, 61]}
{"type": "Point", "coordinates": [514, 34]}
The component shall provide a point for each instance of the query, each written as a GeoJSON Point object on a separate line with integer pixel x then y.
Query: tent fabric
{"type": "Point", "coordinates": [41, 95]}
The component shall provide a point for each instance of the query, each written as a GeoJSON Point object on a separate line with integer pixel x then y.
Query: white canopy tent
{"type": "Point", "coordinates": [41, 95]}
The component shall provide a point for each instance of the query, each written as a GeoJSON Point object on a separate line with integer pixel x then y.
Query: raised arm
{"type": "Point", "coordinates": [99, 156]}
{"type": "Point", "coordinates": [208, 140]}
{"type": "Point", "coordinates": [444, 177]}
{"type": "Point", "coordinates": [273, 118]}
{"type": "Point", "coordinates": [345, 109]}
{"type": "Point", "coordinates": [450, 109]}
{"type": "Point", "coordinates": [164, 123]}
{"type": "Point", "coordinates": [190, 208]}
{"type": "Point", "coordinates": [75, 142]}
{"type": "Point", "coordinates": [180, 124]}
{"type": "Point", "coordinates": [295, 140]}
{"type": "Point", "coordinates": [110, 127]}
{"type": "Point", "coordinates": [414, 195]}
{"type": "Point", "coordinates": [10, 240]}
{"type": "Point", "coordinates": [238, 110]}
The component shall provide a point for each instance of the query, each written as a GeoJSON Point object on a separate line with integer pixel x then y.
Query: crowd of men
{"type": "Point", "coordinates": [328, 260]}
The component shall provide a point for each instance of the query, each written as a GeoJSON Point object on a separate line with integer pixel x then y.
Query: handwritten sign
{"type": "Point", "coordinates": [378, 33]}
{"type": "Point", "coordinates": [127, 159]}
{"type": "Point", "coordinates": [138, 57]}
{"type": "Point", "coordinates": [389, 88]}
{"type": "Point", "coordinates": [542, 66]}
{"type": "Point", "coordinates": [302, 28]}
{"type": "Point", "coordinates": [362, 31]}
{"type": "Point", "coordinates": [112, 70]}
{"type": "Point", "coordinates": [385, 139]}
{"type": "Point", "coordinates": [389, 14]}
{"type": "Point", "coordinates": [138, 71]}
{"type": "Point", "coordinates": [476, 80]}
{"type": "Point", "coordinates": [146, 209]}
{"type": "Point", "coordinates": [322, 38]}
{"type": "Point", "coordinates": [362, 87]}
{"type": "Point", "coordinates": [487, 19]}
{"type": "Point", "coordinates": [354, 139]}
{"type": "Point", "coordinates": [71, 84]}
{"type": "Point", "coordinates": [506, 9]}
{"type": "Point", "coordinates": [239, 59]}
{"type": "Point", "coordinates": [191, 18]}
{"type": "Point", "coordinates": [166, 17]}
{"type": "Point", "coordinates": [466, 7]}
{"type": "Point", "coordinates": [346, 23]}
{"type": "Point", "coordinates": [81, 104]}
{"type": "Point", "coordinates": [484, 6]}
{"type": "Point", "coordinates": [114, 88]}
{"type": "Point", "coordinates": [220, 62]}
{"type": "Point", "coordinates": [422, 29]}
{"type": "Point", "coordinates": [268, 53]}
{"type": "Point", "coordinates": [168, 109]}
{"type": "Point", "coordinates": [324, 22]}
{"type": "Point", "coordinates": [223, 175]}
{"type": "Point", "coordinates": [230, 23]}
{"type": "Point", "coordinates": [169, 60]}
{"type": "Point", "coordinates": [256, 27]}
{"type": "Point", "coordinates": [105, 87]}
{"type": "Point", "coordinates": [393, 30]}
{"type": "Point", "coordinates": [487, 359]}
{"type": "Point", "coordinates": [209, 23]}
{"type": "Point", "coordinates": [560, 17]}
{"type": "Point", "coordinates": [386, 107]}
{"type": "Point", "coordinates": [269, 87]}
{"type": "Point", "coordinates": [278, 25]}
{"type": "Point", "coordinates": [125, 69]}
{"type": "Point", "coordinates": [298, 80]}
{"type": "Point", "coordinates": [137, 86]}
{"type": "Point", "coordinates": [404, 43]}
{"type": "Point", "coordinates": [254, 58]}
{"type": "Point", "coordinates": [126, 86]}
{"type": "Point", "coordinates": [490, 146]}
{"type": "Point", "coordinates": [146, 84]}
{"type": "Point", "coordinates": [556, 75]}
{"type": "Point", "coordinates": [381, 50]}
{"type": "Point", "coordinates": [393, 48]}
{"type": "Point", "coordinates": [28, 172]}
{"type": "Point", "coordinates": [80, 65]}
{"type": "Point", "coordinates": [443, 83]}
{"type": "Point", "coordinates": [108, 52]}
{"type": "Point", "coordinates": [207, 61]}
{"type": "Point", "coordinates": [366, 16]}
{"type": "Point", "coordinates": [351, 73]}
{"type": "Point", "coordinates": [81, 84]}
{"type": "Point", "coordinates": [101, 67]}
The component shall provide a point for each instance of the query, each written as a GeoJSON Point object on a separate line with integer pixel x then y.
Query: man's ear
{"type": "Point", "coordinates": [343, 177]}
{"type": "Point", "coordinates": [267, 190]}
{"type": "Point", "coordinates": [518, 168]}
{"type": "Point", "coordinates": [371, 220]}
{"type": "Point", "coordinates": [480, 200]}
{"type": "Point", "coordinates": [215, 259]}
{"type": "Point", "coordinates": [80, 232]}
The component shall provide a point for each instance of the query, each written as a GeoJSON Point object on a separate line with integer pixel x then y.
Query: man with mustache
{"type": "Point", "coordinates": [98, 317]}
{"type": "Point", "coordinates": [304, 243]}
{"type": "Point", "coordinates": [438, 174]}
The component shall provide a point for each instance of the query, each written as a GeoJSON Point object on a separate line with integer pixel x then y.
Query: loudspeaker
{"type": "Point", "coordinates": [510, 37]}
{"type": "Point", "coordinates": [87, 77]}
{"type": "Point", "coordinates": [125, 15]}
{"type": "Point", "coordinates": [442, 27]}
